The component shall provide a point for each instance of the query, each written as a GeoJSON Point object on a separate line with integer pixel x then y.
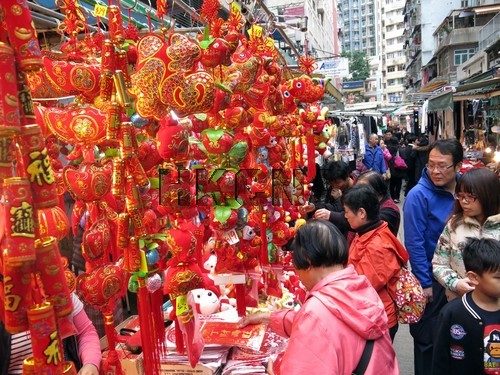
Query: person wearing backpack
{"type": "Point", "coordinates": [341, 328]}
{"type": "Point", "coordinates": [375, 252]}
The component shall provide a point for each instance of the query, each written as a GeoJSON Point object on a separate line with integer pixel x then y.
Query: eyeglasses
{"type": "Point", "coordinates": [439, 168]}
{"type": "Point", "coordinates": [467, 198]}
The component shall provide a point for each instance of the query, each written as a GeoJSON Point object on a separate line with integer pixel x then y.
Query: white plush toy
{"type": "Point", "coordinates": [207, 302]}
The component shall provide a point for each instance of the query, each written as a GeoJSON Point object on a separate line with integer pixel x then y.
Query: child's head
{"type": "Point", "coordinates": [482, 263]}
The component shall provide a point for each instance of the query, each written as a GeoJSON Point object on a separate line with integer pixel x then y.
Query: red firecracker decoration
{"type": "Point", "coordinates": [161, 8]}
{"type": "Point", "coordinates": [307, 64]}
{"type": "Point", "coordinates": [209, 10]}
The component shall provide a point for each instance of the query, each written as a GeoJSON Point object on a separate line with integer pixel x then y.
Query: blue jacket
{"type": "Point", "coordinates": [374, 159]}
{"type": "Point", "coordinates": [425, 212]}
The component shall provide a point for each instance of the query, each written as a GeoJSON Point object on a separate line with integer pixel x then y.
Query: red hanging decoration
{"type": "Point", "coordinates": [161, 8]}
{"type": "Point", "coordinates": [307, 64]}
{"type": "Point", "coordinates": [209, 10]}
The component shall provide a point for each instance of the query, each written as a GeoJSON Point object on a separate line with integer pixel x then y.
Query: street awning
{"type": "Point", "coordinates": [333, 91]}
{"type": "Point", "coordinates": [434, 85]}
{"type": "Point", "coordinates": [479, 93]}
{"type": "Point", "coordinates": [404, 110]}
{"type": "Point", "coordinates": [441, 103]}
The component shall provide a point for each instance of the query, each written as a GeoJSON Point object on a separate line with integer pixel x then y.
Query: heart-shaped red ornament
{"type": "Point", "coordinates": [101, 287]}
{"type": "Point", "coordinates": [89, 182]}
{"type": "Point", "coordinates": [96, 240]}
{"type": "Point", "coordinates": [82, 124]}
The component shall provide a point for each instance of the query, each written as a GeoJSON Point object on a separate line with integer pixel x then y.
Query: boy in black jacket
{"type": "Point", "coordinates": [468, 336]}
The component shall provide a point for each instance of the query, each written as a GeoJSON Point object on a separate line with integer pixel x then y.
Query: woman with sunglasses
{"type": "Point", "coordinates": [476, 214]}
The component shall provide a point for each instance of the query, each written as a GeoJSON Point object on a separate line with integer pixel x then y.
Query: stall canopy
{"type": "Point", "coordinates": [441, 103]}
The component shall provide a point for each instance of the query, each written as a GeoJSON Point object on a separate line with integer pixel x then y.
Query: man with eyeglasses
{"type": "Point", "coordinates": [425, 212]}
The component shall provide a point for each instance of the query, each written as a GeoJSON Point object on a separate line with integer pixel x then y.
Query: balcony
{"type": "Point", "coordinates": [469, 35]}
{"type": "Point", "coordinates": [489, 33]}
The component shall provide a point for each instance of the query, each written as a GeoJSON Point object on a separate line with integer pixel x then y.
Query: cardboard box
{"type": "Point", "coordinates": [131, 363]}
{"type": "Point", "coordinates": [185, 369]}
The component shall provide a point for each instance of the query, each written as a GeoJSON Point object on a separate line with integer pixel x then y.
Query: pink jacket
{"type": "Point", "coordinates": [328, 334]}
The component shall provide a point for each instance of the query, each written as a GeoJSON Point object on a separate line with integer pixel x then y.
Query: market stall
{"type": "Point", "coordinates": [187, 155]}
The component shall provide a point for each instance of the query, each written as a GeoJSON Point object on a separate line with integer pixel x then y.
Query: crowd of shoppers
{"type": "Point", "coordinates": [452, 242]}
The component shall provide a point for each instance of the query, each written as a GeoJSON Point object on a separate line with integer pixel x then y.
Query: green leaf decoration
{"type": "Point", "coordinates": [223, 87]}
{"type": "Point", "coordinates": [233, 203]}
{"type": "Point", "coordinates": [217, 174]}
{"type": "Point", "coordinates": [222, 213]}
{"type": "Point", "coordinates": [201, 116]}
{"type": "Point", "coordinates": [238, 151]}
{"type": "Point", "coordinates": [142, 243]}
{"type": "Point", "coordinates": [213, 134]}
{"type": "Point", "coordinates": [153, 246]}
{"type": "Point", "coordinates": [112, 152]}
{"type": "Point", "coordinates": [160, 236]}
{"type": "Point", "coordinates": [154, 182]}
{"type": "Point", "coordinates": [205, 43]}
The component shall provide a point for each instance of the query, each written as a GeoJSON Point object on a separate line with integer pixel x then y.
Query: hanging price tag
{"type": "Point", "coordinates": [100, 10]}
{"type": "Point", "coordinates": [181, 305]}
{"type": "Point", "coordinates": [255, 31]}
{"type": "Point", "coordinates": [235, 7]}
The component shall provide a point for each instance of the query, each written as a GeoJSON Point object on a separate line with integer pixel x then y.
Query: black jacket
{"type": "Point", "coordinates": [459, 342]}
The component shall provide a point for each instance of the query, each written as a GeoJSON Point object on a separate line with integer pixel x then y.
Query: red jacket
{"type": "Point", "coordinates": [379, 255]}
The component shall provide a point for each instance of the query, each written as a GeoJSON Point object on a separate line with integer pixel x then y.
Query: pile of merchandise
{"type": "Point", "coordinates": [188, 160]}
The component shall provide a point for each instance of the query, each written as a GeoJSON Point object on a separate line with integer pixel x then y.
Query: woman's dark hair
{"type": "Point", "coordinates": [449, 147]}
{"type": "Point", "coordinates": [336, 170]}
{"type": "Point", "coordinates": [363, 196]}
{"type": "Point", "coordinates": [485, 186]}
{"type": "Point", "coordinates": [318, 243]}
{"type": "Point", "coordinates": [482, 255]}
{"type": "Point", "coordinates": [410, 138]}
{"type": "Point", "coordinates": [423, 140]}
{"type": "Point", "coordinates": [376, 181]}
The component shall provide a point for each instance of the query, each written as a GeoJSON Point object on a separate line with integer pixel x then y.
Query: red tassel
{"type": "Point", "coordinates": [311, 157]}
{"type": "Point", "coordinates": [264, 258]}
{"type": "Point", "coordinates": [111, 364]}
{"type": "Point", "coordinates": [240, 299]}
{"type": "Point", "coordinates": [293, 159]}
{"type": "Point", "coordinates": [159, 327]}
{"type": "Point", "coordinates": [147, 332]}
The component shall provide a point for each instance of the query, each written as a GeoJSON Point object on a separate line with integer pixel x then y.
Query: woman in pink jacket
{"type": "Point", "coordinates": [341, 314]}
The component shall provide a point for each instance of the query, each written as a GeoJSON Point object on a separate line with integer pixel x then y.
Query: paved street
{"type": "Point", "coordinates": [403, 343]}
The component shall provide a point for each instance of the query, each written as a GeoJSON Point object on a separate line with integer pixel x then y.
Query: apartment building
{"type": "Point", "coordinates": [421, 18]}
{"type": "Point", "coordinates": [393, 52]}
{"type": "Point", "coordinates": [311, 24]}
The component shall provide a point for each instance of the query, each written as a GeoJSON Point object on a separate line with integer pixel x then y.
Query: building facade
{"type": "Point", "coordinates": [393, 52]}
{"type": "Point", "coordinates": [421, 19]}
{"type": "Point", "coordinates": [360, 20]}
{"type": "Point", "coordinates": [313, 25]}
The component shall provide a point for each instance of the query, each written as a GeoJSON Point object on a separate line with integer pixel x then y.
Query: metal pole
{"type": "Point", "coordinates": [279, 28]}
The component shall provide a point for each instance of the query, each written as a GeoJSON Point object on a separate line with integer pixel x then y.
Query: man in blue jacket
{"type": "Point", "coordinates": [426, 211]}
{"type": "Point", "coordinates": [374, 157]}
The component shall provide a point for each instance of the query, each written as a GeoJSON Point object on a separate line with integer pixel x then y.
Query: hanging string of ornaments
{"type": "Point", "coordinates": [181, 149]}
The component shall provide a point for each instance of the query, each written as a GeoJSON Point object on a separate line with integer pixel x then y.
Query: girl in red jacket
{"type": "Point", "coordinates": [375, 252]}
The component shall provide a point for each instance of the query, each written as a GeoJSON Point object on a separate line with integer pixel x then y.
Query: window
{"type": "Point", "coordinates": [389, 28]}
{"type": "Point", "coordinates": [390, 82]}
{"type": "Point", "coordinates": [462, 55]}
{"type": "Point", "coordinates": [401, 39]}
{"type": "Point", "coordinates": [391, 69]}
